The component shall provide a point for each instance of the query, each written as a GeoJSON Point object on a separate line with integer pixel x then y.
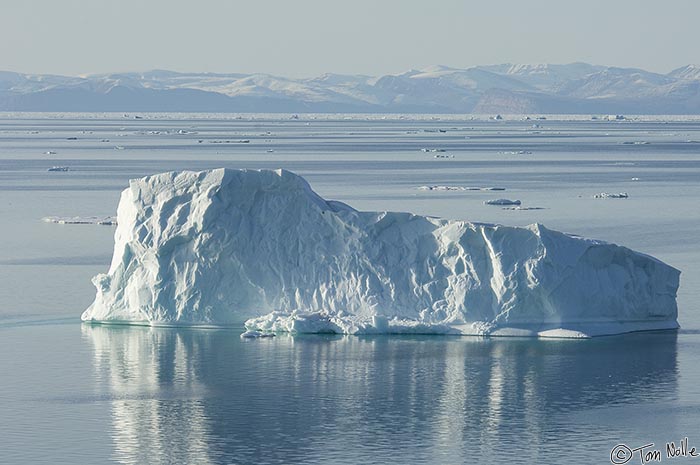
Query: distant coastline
{"type": "Point", "coordinates": [575, 89]}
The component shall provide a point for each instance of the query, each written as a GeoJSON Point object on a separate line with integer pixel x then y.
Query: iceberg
{"type": "Point", "coordinates": [230, 247]}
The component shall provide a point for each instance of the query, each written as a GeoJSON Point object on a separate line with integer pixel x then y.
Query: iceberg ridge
{"type": "Point", "coordinates": [224, 247]}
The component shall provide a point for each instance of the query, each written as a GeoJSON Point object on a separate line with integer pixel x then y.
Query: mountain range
{"type": "Point", "coordinates": [575, 88]}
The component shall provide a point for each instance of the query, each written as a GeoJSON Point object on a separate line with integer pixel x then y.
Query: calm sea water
{"type": "Point", "coordinates": [72, 393]}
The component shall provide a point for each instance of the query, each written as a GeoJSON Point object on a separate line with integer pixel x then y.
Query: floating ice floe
{"type": "Point", "coordinates": [502, 202]}
{"type": "Point", "coordinates": [459, 188]}
{"type": "Point", "coordinates": [223, 247]}
{"type": "Point", "coordinates": [443, 155]}
{"type": "Point", "coordinates": [608, 195]}
{"type": "Point", "coordinates": [521, 208]}
{"type": "Point", "coordinates": [432, 150]}
{"type": "Point", "coordinates": [59, 168]}
{"type": "Point", "coordinates": [102, 220]}
{"type": "Point", "coordinates": [515, 152]}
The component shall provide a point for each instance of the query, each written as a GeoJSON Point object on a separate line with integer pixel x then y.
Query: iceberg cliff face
{"type": "Point", "coordinates": [224, 246]}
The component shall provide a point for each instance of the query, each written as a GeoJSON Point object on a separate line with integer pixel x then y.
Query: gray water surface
{"type": "Point", "coordinates": [73, 393]}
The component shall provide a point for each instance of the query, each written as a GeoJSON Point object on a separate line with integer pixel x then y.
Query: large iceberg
{"type": "Point", "coordinates": [224, 247]}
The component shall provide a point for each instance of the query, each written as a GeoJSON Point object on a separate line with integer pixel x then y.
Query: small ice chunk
{"type": "Point", "coordinates": [608, 195]}
{"type": "Point", "coordinates": [58, 168]}
{"type": "Point", "coordinates": [255, 334]}
{"type": "Point", "coordinates": [502, 202]}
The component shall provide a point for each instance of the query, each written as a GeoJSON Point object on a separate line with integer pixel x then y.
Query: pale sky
{"type": "Point", "coordinates": [305, 38]}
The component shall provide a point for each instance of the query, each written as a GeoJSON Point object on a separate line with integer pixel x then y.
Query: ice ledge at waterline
{"type": "Point", "coordinates": [224, 246]}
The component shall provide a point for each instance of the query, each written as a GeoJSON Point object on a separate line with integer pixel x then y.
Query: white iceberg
{"type": "Point", "coordinates": [223, 247]}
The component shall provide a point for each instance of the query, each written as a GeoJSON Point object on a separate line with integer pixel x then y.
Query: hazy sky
{"type": "Point", "coordinates": [310, 37]}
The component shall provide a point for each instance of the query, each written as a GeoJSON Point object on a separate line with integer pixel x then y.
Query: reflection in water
{"type": "Point", "coordinates": [195, 396]}
{"type": "Point", "coordinates": [156, 395]}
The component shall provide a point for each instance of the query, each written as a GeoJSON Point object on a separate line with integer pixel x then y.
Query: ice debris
{"type": "Point", "coordinates": [255, 334]}
{"type": "Point", "coordinates": [101, 220]}
{"type": "Point", "coordinates": [502, 202]}
{"type": "Point", "coordinates": [459, 188]}
{"type": "Point", "coordinates": [608, 195]}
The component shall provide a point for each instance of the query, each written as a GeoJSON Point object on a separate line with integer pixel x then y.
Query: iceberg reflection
{"type": "Point", "coordinates": [197, 396]}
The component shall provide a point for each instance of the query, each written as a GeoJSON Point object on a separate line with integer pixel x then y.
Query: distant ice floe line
{"type": "Point", "coordinates": [458, 188]}
{"type": "Point", "coordinates": [101, 220]}
{"type": "Point", "coordinates": [609, 195]}
{"type": "Point", "coordinates": [226, 247]}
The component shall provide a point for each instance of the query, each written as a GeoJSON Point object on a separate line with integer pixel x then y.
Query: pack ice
{"type": "Point", "coordinates": [223, 247]}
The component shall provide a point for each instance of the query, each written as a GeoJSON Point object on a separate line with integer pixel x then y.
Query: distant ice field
{"type": "Point", "coordinates": [168, 395]}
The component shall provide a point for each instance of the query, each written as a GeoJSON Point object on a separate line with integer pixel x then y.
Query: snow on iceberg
{"type": "Point", "coordinates": [223, 247]}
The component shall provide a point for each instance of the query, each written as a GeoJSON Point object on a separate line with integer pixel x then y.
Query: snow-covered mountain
{"type": "Point", "coordinates": [506, 88]}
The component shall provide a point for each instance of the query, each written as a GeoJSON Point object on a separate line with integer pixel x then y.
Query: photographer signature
{"type": "Point", "coordinates": [622, 453]}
